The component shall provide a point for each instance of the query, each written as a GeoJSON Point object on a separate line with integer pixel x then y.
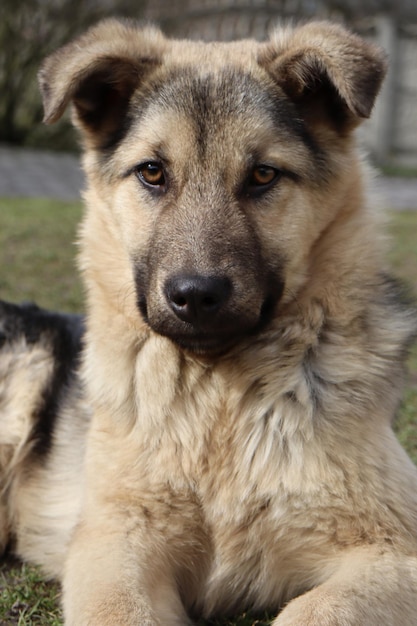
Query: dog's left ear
{"type": "Point", "coordinates": [99, 73]}
{"type": "Point", "coordinates": [330, 73]}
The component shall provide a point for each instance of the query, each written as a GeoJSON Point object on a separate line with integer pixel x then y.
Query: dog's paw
{"type": "Point", "coordinates": [306, 611]}
{"type": "Point", "coordinates": [112, 613]}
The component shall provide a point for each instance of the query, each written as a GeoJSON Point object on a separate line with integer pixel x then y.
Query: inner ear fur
{"type": "Point", "coordinates": [98, 73]}
{"type": "Point", "coordinates": [326, 70]}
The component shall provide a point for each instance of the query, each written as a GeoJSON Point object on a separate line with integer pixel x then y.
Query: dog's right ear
{"type": "Point", "coordinates": [98, 73]}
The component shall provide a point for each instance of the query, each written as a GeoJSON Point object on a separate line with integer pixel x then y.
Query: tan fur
{"type": "Point", "coordinates": [268, 472]}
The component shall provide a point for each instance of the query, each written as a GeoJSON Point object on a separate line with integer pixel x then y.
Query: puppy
{"type": "Point", "coordinates": [244, 349]}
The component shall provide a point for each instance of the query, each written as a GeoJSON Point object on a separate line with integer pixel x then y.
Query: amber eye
{"type": "Point", "coordinates": [151, 174]}
{"type": "Point", "coordinates": [262, 175]}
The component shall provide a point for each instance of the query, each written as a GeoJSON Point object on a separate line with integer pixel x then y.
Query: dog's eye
{"type": "Point", "coordinates": [151, 174]}
{"type": "Point", "coordinates": [262, 175]}
{"type": "Point", "coordinates": [260, 179]}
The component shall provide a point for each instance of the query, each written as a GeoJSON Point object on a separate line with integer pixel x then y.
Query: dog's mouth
{"type": "Point", "coordinates": [217, 338]}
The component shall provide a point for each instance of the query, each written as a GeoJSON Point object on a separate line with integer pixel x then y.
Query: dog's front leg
{"type": "Point", "coordinates": [108, 582]}
{"type": "Point", "coordinates": [368, 589]}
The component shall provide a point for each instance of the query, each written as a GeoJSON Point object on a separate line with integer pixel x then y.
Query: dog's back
{"type": "Point", "coordinates": [42, 415]}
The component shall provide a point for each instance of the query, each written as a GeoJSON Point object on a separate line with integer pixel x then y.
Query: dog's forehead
{"type": "Point", "coordinates": [218, 79]}
{"type": "Point", "coordinates": [208, 103]}
{"type": "Point", "coordinates": [229, 91]}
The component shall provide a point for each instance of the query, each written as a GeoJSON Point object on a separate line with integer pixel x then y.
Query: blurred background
{"type": "Point", "coordinates": [30, 29]}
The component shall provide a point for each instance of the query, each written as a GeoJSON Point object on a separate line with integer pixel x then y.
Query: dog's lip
{"type": "Point", "coordinates": [203, 343]}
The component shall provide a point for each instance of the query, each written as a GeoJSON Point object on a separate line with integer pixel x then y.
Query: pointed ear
{"type": "Point", "coordinates": [98, 73]}
{"type": "Point", "coordinates": [331, 73]}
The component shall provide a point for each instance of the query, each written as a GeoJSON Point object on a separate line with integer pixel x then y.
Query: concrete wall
{"type": "Point", "coordinates": [391, 134]}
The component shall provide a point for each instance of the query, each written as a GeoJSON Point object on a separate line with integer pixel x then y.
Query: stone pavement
{"type": "Point", "coordinates": [32, 173]}
{"type": "Point", "coordinates": [29, 173]}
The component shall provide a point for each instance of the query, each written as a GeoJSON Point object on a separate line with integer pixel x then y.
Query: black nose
{"type": "Point", "coordinates": [196, 299]}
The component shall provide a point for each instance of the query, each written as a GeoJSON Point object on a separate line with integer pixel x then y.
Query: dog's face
{"type": "Point", "coordinates": [224, 163]}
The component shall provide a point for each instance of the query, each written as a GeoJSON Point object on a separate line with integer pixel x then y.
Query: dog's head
{"type": "Point", "coordinates": [216, 167]}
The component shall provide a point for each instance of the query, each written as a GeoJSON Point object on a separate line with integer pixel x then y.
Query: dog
{"type": "Point", "coordinates": [216, 435]}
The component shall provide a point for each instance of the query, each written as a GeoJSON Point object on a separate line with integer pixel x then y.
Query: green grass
{"type": "Point", "coordinates": [26, 599]}
{"type": "Point", "coordinates": [37, 252]}
{"type": "Point", "coordinates": [403, 255]}
{"type": "Point", "coordinates": [403, 259]}
{"type": "Point", "coordinates": [37, 263]}
{"type": "Point", "coordinates": [399, 171]}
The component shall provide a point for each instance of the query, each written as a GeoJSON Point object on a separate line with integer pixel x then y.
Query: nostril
{"type": "Point", "coordinates": [179, 300]}
{"type": "Point", "coordinates": [209, 302]}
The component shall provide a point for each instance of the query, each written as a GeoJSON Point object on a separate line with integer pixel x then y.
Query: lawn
{"type": "Point", "coordinates": [37, 263]}
{"type": "Point", "coordinates": [37, 253]}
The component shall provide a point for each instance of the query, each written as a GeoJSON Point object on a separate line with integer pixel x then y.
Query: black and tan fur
{"type": "Point", "coordinates": [244, 348]}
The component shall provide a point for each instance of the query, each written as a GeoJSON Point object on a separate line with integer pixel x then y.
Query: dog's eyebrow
{"type": "Point", "coordinates": [158, 154]}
